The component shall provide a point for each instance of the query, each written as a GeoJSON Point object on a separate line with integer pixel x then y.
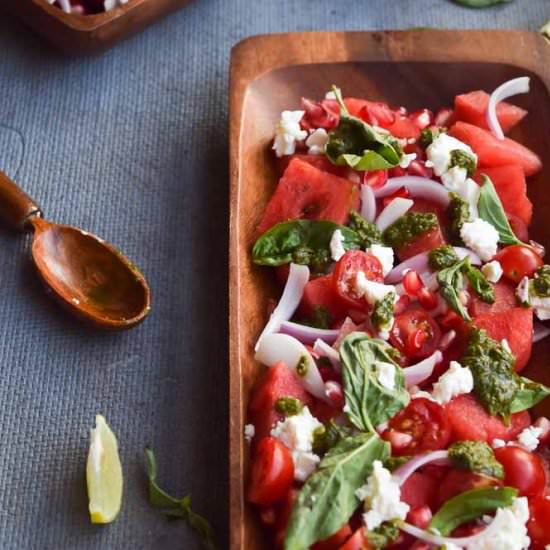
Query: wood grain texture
{"type": "Point", "coordinates": [417, 68]}
{"type": "Point", "coordinates": [76, 34]}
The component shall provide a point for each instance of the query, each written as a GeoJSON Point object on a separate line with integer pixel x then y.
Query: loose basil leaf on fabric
{"type": "Point", "coordinates": [300, 241]}
{"type": "Point", "coordinates": [528, 395]}
{"type": "Point", "coordinates": [471, 505]}
{"type": "Point", "coordinates": [177, 508]}
{"type": "Point", "coordinates": [481, 3]}
{"type": "Point", "coordinates": [327, 500]}
{"type": "Point", "coordinates": [479, 283]}
{"type": "Point", "coordinates": [357, 144]}
{"type": "Point", "coordinates": [369, 403]}
{"type": "Point", "coordinates": [477, 457]}
{"type": "Point", "coordinates": [491, 210]}
{"type": "Point", "coordinates": [451, 283]}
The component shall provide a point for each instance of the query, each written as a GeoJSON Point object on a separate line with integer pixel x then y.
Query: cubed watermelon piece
{"type": "Point", "coordinates": [472, 108]}
{"type": "Point", "coordinates": [505, 300]}
{"type": "Point", "coordinates": [319, 293]}
{"type": "Point", "coordinates": [496, 152]}
{"type": "Point", "coordinates": [420, 490]}
{"type": "Point", "coordinates": [319, 161]}
{"type": "Point", "coordinates": [516, 326]}
{"type": "Point", "coordinates": [509, 182]}
{"type": "Point", "coordinates": [427, 241]}
{"type": "Point", "coordinates": [305, 192]}
{"type": "Point", "coordinates": [469, 420]}
{"type": "Point", "coordinates": [278, 381]}
{"type": "Point", "coordinates": [404, 127]}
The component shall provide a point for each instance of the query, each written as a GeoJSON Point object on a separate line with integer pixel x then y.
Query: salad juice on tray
{"type": "Point", "coordinates": [392, 412]}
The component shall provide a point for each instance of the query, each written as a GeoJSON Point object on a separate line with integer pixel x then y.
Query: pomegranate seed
{"type": "Point", "coordinates": [402, 192]}
{"type": "Point", "coordinates": [412, 283]}
{"type": "Point", "coordinates": [422, 118]}
{"type": "Point", "coordinates": [335, 393]}
{"type": "Point", "coordinates": [427, 299]}
{"type": "Point", "coordinates": [402, 304]}
{"type": "Point", "coordinates": [397, 172]}
{"type": "Point", "coordinates": [375, 178]}
{"type": "Point", "coordinates": [324, 114]}
{"type": "Point", "coordinates": [452, 321]}
{"type": "Point", "coordinates": [443, 117]}
{"type": "Point", "coordinates": [419, 168]}
{"type": "Point", "coordinates": [420, 516]}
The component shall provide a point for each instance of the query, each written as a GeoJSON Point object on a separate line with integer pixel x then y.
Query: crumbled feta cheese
{"type": "Point", "coordinates": [506, 346]}
{"type": "Point", "coordinates": [316, 141]}
{"type": "Point", "coordinates": [371, 290]}
{"type": "Point", "coordinates": [498, 443]}
{"type": "Point", "coordinates": [455, 180]}
{"type": "Point", "coordinates": [428, 164]}
{"type": "Point", "coordinates": [529, 437]}
{"type": "Point", "coordinates": [287, 132]}
{"type": "Point", "coordinates": [385, 256]}
{"type": "Point", "coordinates": [456, 381]}
{"type": "Point", "coordinates": [296, 433]}
{"type": "Point", "coordinates": [522, 291]}
{"type": "Point", "coordinates": [493, 271]}
{"type": "Point", "coordinates": [249, 432]}
{"type": "Point", "coordinates": [439, 152]}
{"type": "Point", "coordinates": [337, 249]}
{"type": "Point", "coordinates": [541, 306]}
{"type": "Point", "coordinates": [382, 498]}
{"type": "Point", "coordinates": [509, 532]}
{"type": "Point", "coordinates": [481, 237]}
{"type": "Point", "coordinates": [405, 160]}
{"type": "Point", "coordinates": [385, 372]}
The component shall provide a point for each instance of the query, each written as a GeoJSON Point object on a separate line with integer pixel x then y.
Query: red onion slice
{"type": "Point", "coordinates": [416, 374]}
{"type": "Point", "coordinates": [418, 187]}
{"type": "Point", "coordinates": [322, 349]}
{"type": "Point", "coordinates": [368, 203]}
{"type": "Point", "coordinates": [540, 331]}
{"type": "Point", "coordinates": [298, 277]}
{"type": "Point", "coordinates": [398, 207]}
{"type": "Point", "coordinates": [275, 348]}
{"type": "Point", "coordinates": [407, 470]}
{"type": "Point", "coordinates": [508, 89]}
{"type": "Point", "coordinates": [418, 263]}
{"type": "Point", "coordinates": [308, 335]}
{"type": "Point", "coordinates": [462, 252]}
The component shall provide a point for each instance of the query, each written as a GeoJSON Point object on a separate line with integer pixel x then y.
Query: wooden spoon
{"type": "Point", "coordinates": [88, 276]}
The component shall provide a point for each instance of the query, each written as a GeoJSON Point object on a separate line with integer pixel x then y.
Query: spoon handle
{"type": "Point", "coordinates": [16, 208]}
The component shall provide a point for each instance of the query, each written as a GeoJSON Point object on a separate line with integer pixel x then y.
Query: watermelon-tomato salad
{"type": "Point", "coordinates": [392, 412]}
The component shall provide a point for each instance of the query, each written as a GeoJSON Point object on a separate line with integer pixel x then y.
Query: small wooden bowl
{"type": "Point", "coordinates": [76, 34]}
{"type": "Point", "coordinates": [420, 68]}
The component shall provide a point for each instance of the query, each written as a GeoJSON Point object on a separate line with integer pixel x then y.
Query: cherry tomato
{"type": "Point", "coordinates": [420, 516]}
{"type": "Point", "coordinates": [518, 261]}
{"type": "Point", "coordinates": [522, 470]}
{"type": "Point", "coordinates": [271, 473]}
{"type": "Point", "coordinates": [358, 541]}
{"type": "Point", "coordinates": [538, 525]}
{"type": "Point", "coordinates": [459, 481]}
{"type": "Point", "coordinates": [345, 274]}
{"type": "Point", "coordinates": [335, 541]}
{"type": "Point", "coordinates": [415, 334]}
{"type": "Point", "coordinates": [426, 424]}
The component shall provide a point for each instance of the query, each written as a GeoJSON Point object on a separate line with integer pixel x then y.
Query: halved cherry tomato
{"type": "Point", "coordinates": [415, 334]}
{"type": "Point", "coordinates": [522, 470]}
{"type": "Point", "coordinates": [357, 542]}
{"type": "Point", "coordinates": [335, 541]}
{"type": "Point", "coordinates": [345, 274]}
{"type": "Point", "coordinates": [518, 261]}
{"type": "Point", "coordinates": [426, 424]}
{"type": "Point", "coordinates": [420, 516]}
{"type": "Point", "coordinates": [271, 473]}
{"type": "Point", "coordinates": [459, 481]}
{"type": "Point", "coordinates": [538, 525]}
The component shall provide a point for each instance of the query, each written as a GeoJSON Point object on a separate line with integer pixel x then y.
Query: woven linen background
{"type": "Point", "coordinates": [132, 145]}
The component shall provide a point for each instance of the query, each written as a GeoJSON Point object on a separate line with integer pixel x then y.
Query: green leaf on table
{"type": "Point", "coordinates": [305, 242]}
{"type": "Point", "coordinates": [177, 507]}
{"type": "Point", "coordinates": [481, 3]}
{"type": "Point", "coordinates": [368, 402]}
{"type": "Point", "coordinates": [469, 506]}
{"type": "Point", "coordinates": [327, 500]}
{"type": "Point", "coordinates": [528, 395]}
{"type": "Point", "coordinates": [491, 210]}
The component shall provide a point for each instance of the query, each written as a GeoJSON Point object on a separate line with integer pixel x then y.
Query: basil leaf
{"type": "Point", "coordinates": [369, 403]}
{"type": "Point", "coordinates": [370, 160]}
{"type": "Point", "coordinates": [479, 283]}
{"type": "Point", "coordinates": [471, 505]}
{"type": "Point", "coordinates": [280, 244]}
{"type": "Point", "coordinates": [491, 210]}
{"type": "Point", "coordinates": [177, 508]}
{"type": "Point", "coordinates": [528, 395]}
{"type": "Point", "coordinates": [451, 283]}
{"type": "Point", "coordinates": [327, 500]}
{"type": "Point", "coordinates": [480, 3]}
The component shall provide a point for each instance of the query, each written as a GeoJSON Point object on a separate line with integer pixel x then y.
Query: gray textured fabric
{"type": "Point", "coordinates": [132, 145]}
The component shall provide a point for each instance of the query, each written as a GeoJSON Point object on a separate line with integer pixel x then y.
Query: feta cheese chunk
{"type": "Point", "coordinates": [371, 290]}
{"type": "Point", "coordinates": [385, 256]}
{"type": "Point", "coordinates": [287, 132]}
{"type": "Point", "coordinates": [456, 381]}
{"type": "Point", "coordinates": [493, 271]}
{"type": "Point", "coordinates": [385, 372]}
{"type": "Point", "coordinates": [296, 433]}
{"type": "Point", "coordinates": [498, 443]}
{"type": "Point", "coordinates": [316, 141]}
{"type": "Point", "coordinates": [540, 305]}
{"type": "Point", "coordinates": [504, 343]}
{"type": "Point", "coordinates": [509, 532]}
{"type": "Point", "coordinates": [405, 160]}
{"type": "Point", "coordinates": [439, 152]}
{"type": "Point", "coordinates": [522, 291]}
{"type": "Point", "coordinates": [337, 249]}
{"type": "Point", "coordinates": [481, 237]}
{"type": "Point", "coordinates": [382, 498]}
{"type": "Point", "coordinates": [466, 188]}
{"type": "Point", "coordinates": [249, 432]}
{"type": "Point", "coordinates": [529, 437]}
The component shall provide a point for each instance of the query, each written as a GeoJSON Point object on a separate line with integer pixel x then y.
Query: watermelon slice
{"type": "Point", "coordinates": [278, 381]}
{"type": "Point", "coordinates": [305, 192]}
{"type": "Point", "coordinates": [472, 108]}
{"type": "Point", "coordinates": [469, 420]}
{"type": "Point", "coordinates": [420, 490]}
{"type": "Point", "coordinates": [505, 300]}
{"type": "Point", "coordinates": [427, 241]}
{"type": "Point", "coordinates": [495, 152]}
{"type": "Point", "coordinates": [319, 161]}
{"type": "Point", "coordinates": [319, 293]}
{"type": "Point", "coordinates": [509, 182]}
{"type": "Point", "coordinates": [404, 127]}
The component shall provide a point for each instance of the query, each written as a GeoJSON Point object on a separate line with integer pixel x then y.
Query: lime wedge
{"type": "Point", "coordinates": [103, 474]}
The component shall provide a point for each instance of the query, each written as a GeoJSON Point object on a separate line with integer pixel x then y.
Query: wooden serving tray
{"type": "Point", "coordinates": [74, 33]}
{"type": "Point", "coordinates": [417, 68]}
